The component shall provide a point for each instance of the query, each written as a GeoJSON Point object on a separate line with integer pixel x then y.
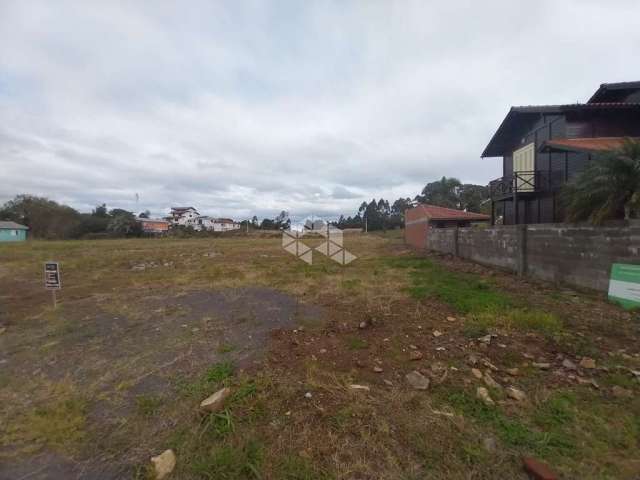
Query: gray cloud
{"type": "Point", "coordinates": [245, 108]}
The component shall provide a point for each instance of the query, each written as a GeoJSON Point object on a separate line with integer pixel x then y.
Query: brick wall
{"type": "Point", "coordinates": [576, 255]}
{"type": "Point", "coordinates": [416, 228]}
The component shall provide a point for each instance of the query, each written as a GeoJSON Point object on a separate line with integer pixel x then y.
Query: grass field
{"type": "Point", "coordinates": [147, 328]}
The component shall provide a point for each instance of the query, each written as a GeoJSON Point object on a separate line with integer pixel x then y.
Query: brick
{"type": "Point", "coordinates": [538, 470]}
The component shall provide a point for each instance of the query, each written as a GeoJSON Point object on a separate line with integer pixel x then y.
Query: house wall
{"type": "Point", "coordinates": [416, 228]}
{"type": "Point", "coordinates": [12, 235]}
{"type": "Point", "coordinates": [575, 255]}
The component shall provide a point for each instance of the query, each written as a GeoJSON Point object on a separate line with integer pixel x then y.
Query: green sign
{"type": "Point", "coordinates": [624, 285]}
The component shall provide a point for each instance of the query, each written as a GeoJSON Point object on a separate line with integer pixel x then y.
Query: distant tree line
{"type": "Point", "coordinates": [50, 220]}
{"type": "Point", "coordinates": [446, 192]}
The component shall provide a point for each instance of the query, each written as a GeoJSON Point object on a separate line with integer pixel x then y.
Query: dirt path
{"type": "Point", "coordinates": [112, 361]}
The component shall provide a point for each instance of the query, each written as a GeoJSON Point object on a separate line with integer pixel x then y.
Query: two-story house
{"type": "Point", "coordinates": [185, 216]}
{"type": "Point", "coordinates": [544, 146]}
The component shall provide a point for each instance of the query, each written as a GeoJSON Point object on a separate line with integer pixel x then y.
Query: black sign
{"type": "Point", "coordinates": [52, 280]}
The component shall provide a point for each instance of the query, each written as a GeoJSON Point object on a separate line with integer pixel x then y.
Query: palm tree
{"type": "Point", "coordinates": [608, 188]}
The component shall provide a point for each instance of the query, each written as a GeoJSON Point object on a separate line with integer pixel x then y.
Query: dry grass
{"type": "Point", "coordinates": [115, 374]}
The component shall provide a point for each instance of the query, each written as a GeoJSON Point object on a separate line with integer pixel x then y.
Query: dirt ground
{"type": "Point", "coordinates": [317, 359]}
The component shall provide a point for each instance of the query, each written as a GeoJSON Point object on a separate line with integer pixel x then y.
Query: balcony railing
{"type": "Point", "coordinates": [525, 182]}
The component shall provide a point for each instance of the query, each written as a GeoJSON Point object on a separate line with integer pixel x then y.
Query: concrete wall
{"type": "Point", "coordinates": [576, 255]}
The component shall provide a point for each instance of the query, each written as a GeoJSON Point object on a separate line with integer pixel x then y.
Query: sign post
{"type": "Point", "coordinates": [52, 280]}
{"type": "Point", "coordinates": [624, 285]}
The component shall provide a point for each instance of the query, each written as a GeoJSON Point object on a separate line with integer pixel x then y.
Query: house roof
{"type": "Point", "coordinates": [152, 220]}
{"type": "Point", "coordinates": [599, 144]}
{"type": "Point", "coordinates": [614, 91]}
{"type": "Point", "coordinates": [12, 226]}
{"type": "Point", "coordinates": [517, 116]}
{"type": "Point", "coordinates": [224, 220]}
{"type": "Point", "coordinates": [434, 212]}
{"type": "Point", "coordinates": [182, 209]}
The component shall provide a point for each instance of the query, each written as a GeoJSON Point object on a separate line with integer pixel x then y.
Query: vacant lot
{"type": "Point", "coordinates": [145, 329]}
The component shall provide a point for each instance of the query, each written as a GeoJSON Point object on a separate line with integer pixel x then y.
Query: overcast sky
{"type": "Point", "coordinates": [242, 108]}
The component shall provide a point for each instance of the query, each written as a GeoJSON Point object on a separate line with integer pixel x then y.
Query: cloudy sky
{"type": "Point", "coordinates": [242, 108]}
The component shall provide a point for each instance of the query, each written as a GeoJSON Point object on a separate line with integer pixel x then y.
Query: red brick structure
{"type": "Point", "coordinates": [420, 219]}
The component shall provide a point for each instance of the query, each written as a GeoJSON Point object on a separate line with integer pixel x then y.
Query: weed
{"type": "Point", "coordinates": [218, 424]}
{"type": "Point", "coordinates": [219, 372]}
{"type": "Point", "coordinates": [213, 377]}
{"type": "Point", "coordinates": [148, 405]}
{"type": "Point", "coordinates": [228, 462]}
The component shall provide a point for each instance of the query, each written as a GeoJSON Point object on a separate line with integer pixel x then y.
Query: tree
{"type": "Point", "coordinates": [282, 221]}
{"type": "Point", "coordinates": [145, 214]}
{"type": "Point", "coordinates": [473, 198]}
{"type": "Point", "coordinates": [100, 211]}
{"type": "Point", "coordinates": [45, 218]}
{"type": "Point", "coordinates": [608, 188]}
{"type": "Point", "coordinates": [123, 223]}
{"type": "Point", "coordinates": [254, 221]}
{"type": "Point", "coordinates": [443, 192]}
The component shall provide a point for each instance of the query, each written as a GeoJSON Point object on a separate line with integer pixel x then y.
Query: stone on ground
{"type": "Point", "coordinates": [490, 382]}
{"type": "Point", "coordinates": [538, 470]}
{"type": "Point", "coordinates": [476, 373]}
{"type": "Point", "coordinates": [164, 464]}
{"type": "Point", "coordinates": [568, 364]}
{"type": "Point", "coordinates": [516, 394]}
{"type": "Point", "coordinates": [587, 362]}
{"type": "Point", "coordinates": [417, 380]}
{"type": "Point", "coordinates": [215, 402]}
{"type": "Point", "coordinates": [483, 394]}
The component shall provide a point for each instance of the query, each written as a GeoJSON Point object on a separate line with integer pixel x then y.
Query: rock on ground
{"type": "Point", "coordinates": [490, 382]}
{"type": "Point", "coordinates": [483, 394]}
{"type": "Point", "coordinates": [417, 380]}
{"type": "Point", "coordinates": [587, 362]}
{"type": "Point", "coordinates": [516, 394]}
{"type": "Point", "coordinates": [215, 402]}
{"type": "Point", "coordinates": [164, 464]}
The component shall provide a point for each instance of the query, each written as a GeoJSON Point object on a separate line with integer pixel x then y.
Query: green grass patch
{"type": "Point", "coordinates": [485, 304]}
{"type": "Point", "coordinates": [60, 424]}
{"type": "Point", "coordinates": [228, 462]}
{"type": "Point", "coordinates": [467, 293]}
{"type": "Point", "coordinates": [219, 372]}
{"type": "Point", "coordinates": [355, 343]}
{"type": "Point", "coordinates": [513, 432]}
{"type": "Point", "coordinates": [214, 377]}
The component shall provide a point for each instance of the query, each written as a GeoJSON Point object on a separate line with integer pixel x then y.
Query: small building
{"type": "Point", "coordinates": [154, 225]}
{"type": "Point", "coordinates": [224, 225]}
{"type": "Point", "coordinates": [420, 219]}
{"type": "Point", "coordinates": [12, 232]}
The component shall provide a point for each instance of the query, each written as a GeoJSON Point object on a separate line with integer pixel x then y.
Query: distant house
{"type": "Point", "coordinates": [189, 217]}
{"type": "Point", "coordinates": [154, 225]}
{"type": "Point", "coordinates": [185, 216]}
{"type": "Point", "coordinates": [225, 225]}
{"type": "Point", "coordinates": [204, 222]}
{"type": "Point", "coordinates": [545, 146]}
{"type": "Point", "coordinates": [12, 232]}
{"type": "Point", "coordinates": [420, 219]}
